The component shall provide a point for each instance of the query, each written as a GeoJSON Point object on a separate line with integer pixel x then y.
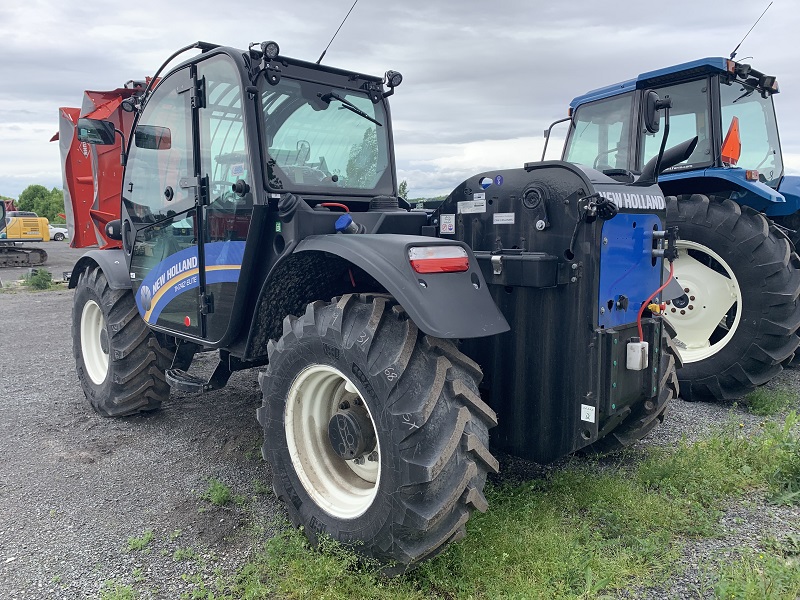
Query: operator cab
{"type": "Point", "coordinates": [727, 105]}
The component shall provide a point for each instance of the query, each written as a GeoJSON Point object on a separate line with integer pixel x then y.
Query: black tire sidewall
{"type": "Point", "coordinates": [84, 293]}
{"type": "Point", "coordinates": [326, 350]}
{"type": "Point", "coordinates": [711, 234]}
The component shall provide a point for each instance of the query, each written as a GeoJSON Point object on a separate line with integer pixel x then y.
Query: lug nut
{"type": "Point", "coordinates": [691, 297]}
{"type": "Point", "coordinates": [672, 309]}
{"type": "Point", "coordinates": [686, 290]}
{"type": "Point", "coordinates": [373, 456]}
{"type": "Point", "coordinates": [683, 312]}
{"type": "Point", "coordinates": [691, 307]}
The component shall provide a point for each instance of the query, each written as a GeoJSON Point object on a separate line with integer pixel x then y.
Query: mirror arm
{"type": "Point", "coordinates": [123, 157]}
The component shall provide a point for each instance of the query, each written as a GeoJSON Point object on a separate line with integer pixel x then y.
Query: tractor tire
{"type": "Point", "coordinates": [648, 414]}
{"type": "Point", "coordinates": [375, 432]}
{"type": "Point", "coordinates": [736, 323]}
{"type": "Point", "coordinates": [120, 363]}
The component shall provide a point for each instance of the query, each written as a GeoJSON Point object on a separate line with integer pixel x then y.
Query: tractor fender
{"type": "Point", "coordinates": [790, 188]}
{"type": "Point", "coordinates": [714, 181]}
{"type": "Point", "coordinates": [112, 263]}
{"type": "Point", "coordinates": [448, 305]}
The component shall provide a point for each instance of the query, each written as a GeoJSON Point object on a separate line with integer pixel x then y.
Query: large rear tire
{"type": "Point", "coordinates": [736, 323]}
{"type": "Point", "coordinates": [375, 432]}
{"type": "Point", "coordinates": [120, 363]}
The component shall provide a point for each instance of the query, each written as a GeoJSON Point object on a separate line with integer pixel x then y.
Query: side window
{"type": "Point", "coordinates": [688, 117]}
{"type": "Point", "coordinates": [599, 135]}
{"type": "Point", "coordinates": [160, 155]}
{"type": "Point", "coordinates": [224, 153]}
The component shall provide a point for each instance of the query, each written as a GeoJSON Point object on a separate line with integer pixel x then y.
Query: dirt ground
{"type": "Point", "coordinates": [78, 490]}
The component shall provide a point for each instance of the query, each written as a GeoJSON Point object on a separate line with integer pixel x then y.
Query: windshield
{"type": "Point", "coordinates": [598, 137]}
{"type": "Point", "coordinates": [323, 139]}
{"type": "Point", "coordinates": [688, 117]}
{"type": "Point", "coordinates": [758, 130]}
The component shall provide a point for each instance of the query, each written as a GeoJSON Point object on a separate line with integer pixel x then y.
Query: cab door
{"type": "Point", "coordinates": [225, 166]}
{"type": "Point", "coordinates": [160, 212]}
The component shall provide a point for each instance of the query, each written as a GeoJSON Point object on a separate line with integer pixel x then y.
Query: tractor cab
{"type": "Point", "coordinates": [727, 105]}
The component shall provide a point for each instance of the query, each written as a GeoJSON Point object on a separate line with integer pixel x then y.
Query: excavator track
{"type": "Point", "coordinates": [12, 255]}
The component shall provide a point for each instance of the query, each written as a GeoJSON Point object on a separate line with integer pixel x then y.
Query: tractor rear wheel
{"type": "Point", "coordinates": [375, 432]}
{"type": "Point", "coordinates": [737, 319]}
{"type": "Point", "coordinates": [120, 363]}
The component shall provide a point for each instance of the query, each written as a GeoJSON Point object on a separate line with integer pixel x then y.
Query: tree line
{"type": "Point", "coordinates": [44, 202]}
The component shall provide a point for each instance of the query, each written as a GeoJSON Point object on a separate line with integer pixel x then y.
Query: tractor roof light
{"type": "Point", "coordinates": [769, 83]}
{"type": "Point", "coordinates": [270, 49]}
{"type": "Point", "coordinates": [438, 259]}
{"type": "Point", "coordinates": [393, 79]}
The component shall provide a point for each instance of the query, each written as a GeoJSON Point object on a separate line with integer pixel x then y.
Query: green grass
{"type": "Point", "coordinates": [217, 493]}
{"type": "Point", "coordinates": [140, 543]}
{"type": "Point", "coordinates": [759, 575]}
{"type": "Point", "coordinates": [767, 402]}
{"type": "Point", "coordinates": [113, 590]}
{"type": "Point", "coordinates": [581, 533]}
{"type": "Point", "coordinates": [40, 279]}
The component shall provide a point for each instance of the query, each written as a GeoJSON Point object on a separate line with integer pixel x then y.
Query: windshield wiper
{"type": "Point", "coordinates": [348, 105]}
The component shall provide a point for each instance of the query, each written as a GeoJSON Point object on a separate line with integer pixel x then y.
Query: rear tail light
{"type": "Point", "coordinates": [438, 259]}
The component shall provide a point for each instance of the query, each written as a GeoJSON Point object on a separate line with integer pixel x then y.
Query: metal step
{"type": "Point", "coordinates": [181, 380]}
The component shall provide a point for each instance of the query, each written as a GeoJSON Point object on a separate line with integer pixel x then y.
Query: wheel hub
{"type": "Point", "coordinates": [350, 431]}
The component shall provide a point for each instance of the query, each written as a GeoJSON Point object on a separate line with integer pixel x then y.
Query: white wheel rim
{"type": "Point", "coordinates": [342, 488]}
{"type": "Point", "coordinates": [710, 320]}
{"type": "Point", "coordinates": [94, 357]}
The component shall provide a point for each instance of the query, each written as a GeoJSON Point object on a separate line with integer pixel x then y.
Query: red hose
{"type": "Point", "coordinates": [647, 302]}
{"type": "Point", "coordinates": [335, 205]}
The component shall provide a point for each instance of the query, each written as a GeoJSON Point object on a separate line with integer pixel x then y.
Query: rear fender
{"type": "Point", "coordinates": [733, 182]}
{"type": "Point", "coordinates": [448, 305]}
{"type": "Point", "coordinates": [113, 264]}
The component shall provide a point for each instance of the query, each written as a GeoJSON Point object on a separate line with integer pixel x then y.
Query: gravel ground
{"type": "Point", "coordinates": [75, 487]}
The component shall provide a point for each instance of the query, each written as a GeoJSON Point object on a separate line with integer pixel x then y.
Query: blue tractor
{"type": "Point", "coordinates": [737, 312]}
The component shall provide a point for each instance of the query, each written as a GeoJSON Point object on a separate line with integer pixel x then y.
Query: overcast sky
{"type": "Point", "coordinates": [481, 79]}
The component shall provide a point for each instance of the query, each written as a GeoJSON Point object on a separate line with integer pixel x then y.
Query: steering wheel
{"type": "Point", "coordinates": [596, 163]}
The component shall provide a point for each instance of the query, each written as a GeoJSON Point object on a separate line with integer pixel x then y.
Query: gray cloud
{"type": "Point", "coordinates": [479, 77]}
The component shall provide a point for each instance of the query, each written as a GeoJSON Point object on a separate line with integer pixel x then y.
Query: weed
{"type": "Point", "coordinates": [767, 402]}
{"type": "Point", "coordinates": [140, 543]}
{"type": "Point", "coordinates": [183, 554]}
{"type": "Point", "coordinates": [175, 534]}
{"type": "Point", "coordinates": [138, 574]}
{"type": "Point", "coordinates": [261, 488]}
{"type": "Point", "coordinates": [217, 493]}
{"type": "Point", "coordinates": [39, 279]}
{"type": "Point", "coordinates": [113, 590]}
{"type": "Point", "coordinates": [759, 575]}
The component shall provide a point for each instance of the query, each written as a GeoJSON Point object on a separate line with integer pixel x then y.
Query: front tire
{"type": "Point", "coordinates": [410, 456]}
{"type": "Point", "coordinates": [736, 323]}
{"type": "Point", "coordinates": [59, 237]}
{"type": "Point", "coordinates": [120, 363]}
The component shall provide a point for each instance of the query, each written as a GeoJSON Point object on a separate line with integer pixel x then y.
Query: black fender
{"type": "Point", "coordinates": [112, 262]}
{"type": "Point", "coordinates": [449, 305]}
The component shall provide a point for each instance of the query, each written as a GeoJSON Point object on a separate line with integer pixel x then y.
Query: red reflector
{"type": "Point", "coordinates": [187, 321]}
{"type": "Point", "coordinates": [438, 259]}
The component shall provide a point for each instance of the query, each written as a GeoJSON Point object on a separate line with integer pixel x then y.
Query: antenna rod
{"type": "Point", "coordinates": [733, 54]}
{"type": "Point", "coordinates": [319, 60]}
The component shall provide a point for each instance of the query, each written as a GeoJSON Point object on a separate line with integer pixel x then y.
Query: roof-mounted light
{"type": "Point", "coordinates": [393, 79]}
{"type": "Point", "coordinates": [769, 83]}
{"type": "Point", "coordinates": [270, 49]}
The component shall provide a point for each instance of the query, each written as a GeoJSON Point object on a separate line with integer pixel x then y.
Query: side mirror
{"type": "Point", "coordinates": [2, 215]}
{"type": "Point", "coordinates": [651, 116]}
{"type": "Point", "coordinates": [152, 137]}
{"type": "Point", "coordinates": [94, 131]}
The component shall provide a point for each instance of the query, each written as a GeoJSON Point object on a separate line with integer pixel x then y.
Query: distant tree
{"type": "Point", "coordinates": [44, 202]}
{"type": "Point", "coordinates": [362, 163]}
{"type": "Point", "coordinates": [402, 191]}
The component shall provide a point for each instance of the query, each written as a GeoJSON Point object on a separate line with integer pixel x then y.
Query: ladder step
{"type": "Point", "coordinates": [181, 380]}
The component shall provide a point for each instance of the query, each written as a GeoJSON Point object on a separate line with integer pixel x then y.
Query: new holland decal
{"type": "Point", "coordinates": [179, 273]}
